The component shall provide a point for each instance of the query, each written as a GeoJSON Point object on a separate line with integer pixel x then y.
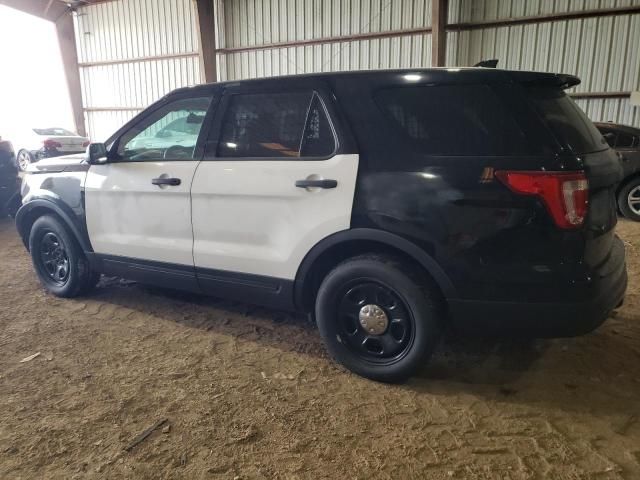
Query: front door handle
{"type": "Point", "coordinates": [316, 183]}
{"type": "Point", "coordinates": [166, 181]}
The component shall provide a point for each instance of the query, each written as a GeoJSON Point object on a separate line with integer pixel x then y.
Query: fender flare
{"type": "Point", "coordinates": [379, 236]}
{"type": "Point", "coordinates": [62, 210]}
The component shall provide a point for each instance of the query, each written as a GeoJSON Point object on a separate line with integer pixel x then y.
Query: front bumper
{"type": "Point", "coordinates": [548, 319]}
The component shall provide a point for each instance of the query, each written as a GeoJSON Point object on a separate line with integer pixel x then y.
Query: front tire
{"type": "Point", "coordinates": [58, 259]}
{"type": "Point", "coordinates": [24, 159]}
{"type": "Point", "coordinates": [629, 200]}
{"type": "Point", "coordinates": [378, 318]}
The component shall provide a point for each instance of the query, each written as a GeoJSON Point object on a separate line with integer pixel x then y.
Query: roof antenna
{"type": "Point", "coordinates": [487, 63]}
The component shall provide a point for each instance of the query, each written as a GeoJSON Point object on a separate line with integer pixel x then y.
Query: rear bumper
{"type": "Point", "coordinates": [548, 319]}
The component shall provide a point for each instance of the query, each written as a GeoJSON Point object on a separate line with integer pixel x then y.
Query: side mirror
{"type": "Point", "coordinates": [97, 153]}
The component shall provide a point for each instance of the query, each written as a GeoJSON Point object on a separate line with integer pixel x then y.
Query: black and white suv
{"type": "Point", "coordinates": [390, 204]}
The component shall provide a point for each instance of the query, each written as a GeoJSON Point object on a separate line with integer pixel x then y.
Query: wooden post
{"type": "Point", "coordinates": [207, 29]}
{"type": "Point", "coordinates": [69, 53]}
{"type": "Point", "coordinates": [439, 13]}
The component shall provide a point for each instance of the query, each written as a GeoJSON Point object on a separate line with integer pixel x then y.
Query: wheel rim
{"type": "Point", "coordinates": [23, 160]}
{"type": "Point", "coordinates": [54, 258]}
{"type": "Point", "coordinates": [633, 200]}
{"type": "Point", "coordinates": [374, 322]}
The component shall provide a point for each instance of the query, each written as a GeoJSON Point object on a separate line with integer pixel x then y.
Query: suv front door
{"type": "Point", "coordinates": [138, 205]}
{"type": "Point", "coordinates": [274, 181]}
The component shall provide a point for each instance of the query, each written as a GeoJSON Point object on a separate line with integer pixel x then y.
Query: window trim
{"type": "Point", "coordinates": [198, 151]}
{"type": "Point", "coordinates": [218, 123]}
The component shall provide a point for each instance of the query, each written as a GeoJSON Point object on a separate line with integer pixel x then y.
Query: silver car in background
{"type": "Point", "coordinates": [37, 143]}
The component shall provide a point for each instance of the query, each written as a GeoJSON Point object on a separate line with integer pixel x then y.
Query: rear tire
{"type": "Point", "coordinates": [23, 160]}
{"type": "Point", "coordinates": [378, 317]}
{"type": "Point", "coordinates": [629, 200]}
{"type": "Point", "coordinates": [58, 259]}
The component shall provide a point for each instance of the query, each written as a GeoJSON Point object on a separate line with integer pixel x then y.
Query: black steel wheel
{"type": "Point", "coordinates": [60, 263]}
{"type": "Point", "coordinates": [54, 259]}
{"type": "Point", "coordinates": [375, 322]}
{"type": "Point", "coordinates": [379, 317]}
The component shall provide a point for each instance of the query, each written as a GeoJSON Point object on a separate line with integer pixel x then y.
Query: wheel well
{"type": "Point", "coordinates": [626, 181]}
{"type": "Point", "coordinates": [27, 221]}
{"type": "Point", "coordinates": [336, 254]}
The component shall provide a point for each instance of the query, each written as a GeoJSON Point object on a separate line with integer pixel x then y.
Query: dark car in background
{"type": "Point", "coordinates": [9, 180]}
{"type": "Point", "coordinates": [626, 140]}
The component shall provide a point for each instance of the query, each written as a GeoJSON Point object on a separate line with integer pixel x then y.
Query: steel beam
{"type": "Point", "coordinates": [69, 54]}
{"type": "Point", "coordinates": [439, 13]}
{"type": "Point", "coordinates": [207, 29]}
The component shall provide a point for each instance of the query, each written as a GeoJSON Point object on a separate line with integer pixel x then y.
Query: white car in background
{"type": "Point", "coordinates": [38, 143]}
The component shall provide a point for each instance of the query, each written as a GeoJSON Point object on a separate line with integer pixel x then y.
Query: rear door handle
{"type": "Point", "coordinates": [166, 181]}
{"type": "Point", "coordinates": [316, 183]}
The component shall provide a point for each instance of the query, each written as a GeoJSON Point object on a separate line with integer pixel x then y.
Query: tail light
{"type": "Point", "coordinates": [86, 144]}
{"type": "Point", "coordinates": [566, 195]}
{"type": "Point", "coordinates": [50, 144]}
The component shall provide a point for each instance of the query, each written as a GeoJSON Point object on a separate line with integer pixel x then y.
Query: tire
{"type": "Point", "coordinates": [58, 259]}
{"type": "Point", "coordinates": [629, 200]}
{"type": "Point", "coordinates": [23, 160]}
{"type": "Point", "coordinates": [411, 311]}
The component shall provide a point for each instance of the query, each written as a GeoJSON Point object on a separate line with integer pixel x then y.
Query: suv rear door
{"type": "Point", "coordinates": [275, 180]}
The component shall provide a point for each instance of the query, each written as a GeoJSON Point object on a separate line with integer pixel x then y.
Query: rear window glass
{"type": "Point", "coordinates": [54, 131]}
{"type": "Point", "coordinates": [571, 127]}
{"type": "Point", "coordinates": [456, 120]}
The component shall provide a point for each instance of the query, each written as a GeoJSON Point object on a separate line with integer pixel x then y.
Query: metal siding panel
{"type": "Point", "coordinates": [603, 51]}
{"type": "Point", "coordinates": [127, 30]}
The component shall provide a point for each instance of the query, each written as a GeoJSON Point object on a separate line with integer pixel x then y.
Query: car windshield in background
{"type": "Point", "coordinates": [566, 120]}
{"type": "Point", "coordinates": [54, 131]}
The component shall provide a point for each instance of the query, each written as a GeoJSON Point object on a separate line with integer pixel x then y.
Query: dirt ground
{"type": "Point", "coordinates": [250, 393]}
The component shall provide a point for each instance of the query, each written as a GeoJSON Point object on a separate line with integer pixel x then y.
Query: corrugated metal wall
{"type": "Point", "coordinates": [604, 52]}
{"type": "Point", "coordinates": [264, 22]}
{"type": "Point", "coordinates": [131, 52]}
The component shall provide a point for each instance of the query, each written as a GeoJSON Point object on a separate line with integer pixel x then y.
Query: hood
{"type": "Point", "coordinates": [66, 163]}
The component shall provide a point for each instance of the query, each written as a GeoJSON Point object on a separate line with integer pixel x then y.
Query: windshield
{"type": "Point", "coordinates": [568, 123]}
{"type": "Point", "coordinates": [54, 131]}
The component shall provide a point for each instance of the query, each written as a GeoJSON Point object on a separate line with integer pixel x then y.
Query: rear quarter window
{"type": "Point", "coordinates": [454, 120]}
{"type": "Point", "coordinates": [567, 122]}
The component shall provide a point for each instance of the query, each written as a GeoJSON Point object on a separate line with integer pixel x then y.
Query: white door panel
{"type": "Point", "coordinates": [129, 216]}
{"type": "Point", "coordinates": [248, 216]}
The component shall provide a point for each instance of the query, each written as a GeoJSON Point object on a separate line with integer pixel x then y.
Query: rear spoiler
{"type": "Point", "coordinates": [567, 81]}
{"type": "Point", "coordinates": [562, 80]}
{"type": "Point", "coordinates": [487, 63]}
{"type": "Point", "coordinates": [559, 80]}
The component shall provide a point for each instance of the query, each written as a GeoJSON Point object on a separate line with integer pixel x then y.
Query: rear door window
{"type": "Point", "coordinates": [571, 127]}
{"type": "Point", "coordinates": [276, 125]}
{"type": "Point", "coordinates": [454, 120]}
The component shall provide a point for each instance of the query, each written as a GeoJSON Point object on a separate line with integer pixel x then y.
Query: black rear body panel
{"type": "Point", "coordinates": [501, 251]}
